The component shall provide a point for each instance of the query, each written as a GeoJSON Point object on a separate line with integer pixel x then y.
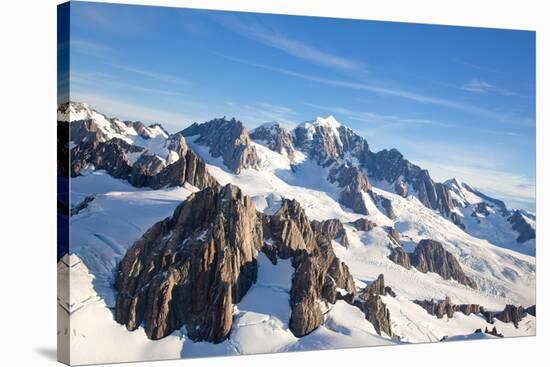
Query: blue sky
{"type": "Point", "coordinates": [459, 101]}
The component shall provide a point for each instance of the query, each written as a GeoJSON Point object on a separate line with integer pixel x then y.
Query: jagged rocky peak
{"type": "Point", "coordinates": [87, 125]}
{"type": "Point", "coordinates": [333, 229]}
{"type": "Point", "coordinates": [390, 166]}
{"type": "Point", "coordinates": [139, 166]}
{"type": "Point", "coordinates": [274, 136]}
{"type": "Point", "coordinates": [354, 184]}
{"type": "Point", "coordinates": [523, 226]}
{"type": "Point", "coordinates": [465, 195]}
{"type": "Point", "coordinates": [399, 256]}
{"type": "Point", "coordinates": [289, 230]}
{"type": "Point", "coordinates": [74, 111]}
{"type": "Point", "coordinates": [512, 313]}
{"type": "Point", "coordinates": [447, 308]}
{"type": "Point", "coordinates": [319, 275]}
{"type": "Point", "coordinates": [431, 256]}
{"type": "Point", "coordinates": [326, 138]}
{"type": "Point", "coordinates": [189, 269]}
{"type": "Point", "coordinates": [369, 300]}
{"type": "Point", "coordinates": [226, 138]}
{"type": "Point", "coordinates": [363, 224]}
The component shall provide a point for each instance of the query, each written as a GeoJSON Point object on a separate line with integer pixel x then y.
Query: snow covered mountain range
{"type": "Point", "coordinates": [216, 240]}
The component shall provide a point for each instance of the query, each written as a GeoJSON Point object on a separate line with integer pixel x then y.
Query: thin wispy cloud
{"type": "Point", "coordinates": [381, 90]}
{"type": "Point", "coordinates": [371, 117]}
{"type": "Point", "coordinates": [472, 65]}
{"type": "Point", "coordinates": [90, 47]}
{"type": "Point", "coordinates": [480, 86]}
{"type": "Point", "coordinates": [172, 120]}
{"type": "Point", "coordinates": [162, 77]}
{"type": "Point", "coordinates": [257, 113]}
{"type": "Point", "coordinates": [274, 38]}
{"type": "Point", "coordinates": [90, 80]}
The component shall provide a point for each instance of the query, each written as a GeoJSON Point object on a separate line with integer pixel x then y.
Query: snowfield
{"type": "Point", "coordinates": [119, 214]}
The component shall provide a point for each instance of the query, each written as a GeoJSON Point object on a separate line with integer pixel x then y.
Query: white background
{"type": "Point", "coordinates": [28, 191]}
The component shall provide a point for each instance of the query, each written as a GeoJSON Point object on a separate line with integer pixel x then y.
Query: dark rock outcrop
{"type": "Point", "coordinates": [275, 137]}
{"type": "Point", "coordinates": [148, 170]}
{"type": "Point", "coordinates": [390, 166]}
{"type": "Point", "coordinates": [334, 229]}
{"type": "Point", "coordinates": [363, 224]}
{"type": "Point", "coordinates": [446, 307]}
{"type": "Point", "coordinates": [325, 139]}
{"type": "Point", "coordinates": [532, 310]}
{"type": "Point", "coordinates": [512, 314]}
{"type": "Point", "coordinates": [394, 234]}
{"type": "Point", "coordinates": [489, 316]}
{"type": "Point", "coordinates": [400, 257]}
{"type": "Point", "coordinates": [319, 273]}
{"type": "Point", "coordinates": [378, 315]}
{"type": "Point", "coordinates": [430, 256]}
{"type": "Point", "coordinates": [228, 139]}
{"type": "Point", "coordinates": [189, 269]}
{"type": "Point", "coordinates": [377, 287]}
{"type": "Point", "coordinates": [436, 308]}
{"type": "Point", "coordinates": [375, 310]}
{"type": "Point", "coordinates": [81, 205]}
{"type": "Point", "coordinates": [354, 183]}
{"type": "Point", "coordinates": [520, 225]}
{"type": "Point", "coordinates": [468, 309]}
{"type": "Point", "coordinates": [493, 332]}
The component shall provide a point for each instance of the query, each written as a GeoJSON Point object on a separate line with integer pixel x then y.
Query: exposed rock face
{"type": "Point", "coordinates": [354, 183]}
{"type": "Point", "coordinates": [189, 269]}
{"type": "Point", "coordinates": [82, 205]}
{"type": "Point", "coordinates": [149, 170]}
{"type": "Point", "coordinates": [394, 234]}
{"type": "Point", "coordinates": [532, 310]}
{"type": "Point", "coordinates": [333, 229]}
{"type": "Point", "coordinates": [290, 230]}
{"type": "Point", "coordinates": [493, 332]}
{"type": "Point", "coordinates": [363, 224]}
{"type": "Point", "coordinates": [489, 316]}
{"type": "Point", "coordinates": [275, 137]}
{"type": "Point", "coordinates": [446, 307]}
{"type": "Point", "coordinates": [319, 274]}
{"type": "Point", "coordinates": [520, 225]}
{"type": "Point", "coordinates": [375, 310]}
{"type": "Point", "coordinates": [228, 139]}
{"type": "Point", "coordinates": [392, 167]}
{"type": "Point", "coordinates": [379, 315]}
{"type": "Point", "coordinates": [377, 287]}
{"type": "Point", "coordinates": [325, 139]}
{"type": "Point", "coordinates": [400, 257]}
{"type": "Point", "coordinates": [385, 204]}
{"type": "Point", "coordinates": [438, 309]}
{"type": "Point", "coordinates": [512, 314]}
{"type": "Point", "coordinates": [430, 256]}
{"type": "Point", "coordinates": [468, 309]}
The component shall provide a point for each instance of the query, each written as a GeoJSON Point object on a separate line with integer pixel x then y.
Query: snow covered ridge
{"type": "Point", "coordinates": [489, 218]}
{"type": "Point", "coordinates": [389, 294]}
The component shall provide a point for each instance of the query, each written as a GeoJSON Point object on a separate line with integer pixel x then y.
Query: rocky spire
{"type": "Point", "coordinates": [275, 137]}
{"type": "Point", "coordinates": [430, 256]}
{"type": "Point", "coordinates": [148, 170]}
{"type": "Point", "coordinates": [227, 139]}
{"type": "Point", "coordinates": [189, 270]}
